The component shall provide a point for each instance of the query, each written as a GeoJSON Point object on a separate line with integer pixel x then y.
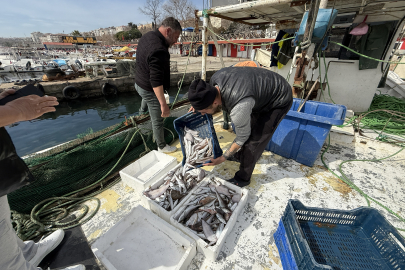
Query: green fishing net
{"type": "Point", "coordinates": [82, 165]}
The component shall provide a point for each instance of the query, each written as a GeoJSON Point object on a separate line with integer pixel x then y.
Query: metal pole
{"type": "Point", "coordinates": [245, 6]}
{"type": "Point", "coordinates": [205, 48]}
{"type": "Point", "coordinates": [323, 4]}
{"type": "Point", "coordinates": [307, 52]}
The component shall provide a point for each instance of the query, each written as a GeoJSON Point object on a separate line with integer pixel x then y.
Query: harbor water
{"type": "Point", "coordinates": [75, 118]}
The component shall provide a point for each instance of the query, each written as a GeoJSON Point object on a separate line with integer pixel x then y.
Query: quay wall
{"type": "Point", "coordinates": [92, 87]}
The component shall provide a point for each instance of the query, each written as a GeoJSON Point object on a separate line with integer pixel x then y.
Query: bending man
{"type": "Point", "coordinates": [257, 100]}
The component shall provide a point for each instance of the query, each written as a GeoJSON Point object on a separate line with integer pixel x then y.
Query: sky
{"type": "Point", "coordinates": [20, 18]}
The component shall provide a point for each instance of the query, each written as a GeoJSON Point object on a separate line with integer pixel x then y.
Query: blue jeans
{"type": "Point", "coordinates": [155, 113]}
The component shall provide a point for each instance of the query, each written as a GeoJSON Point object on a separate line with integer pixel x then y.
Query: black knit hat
{"type": "Point", "coordinates": [201, 94]}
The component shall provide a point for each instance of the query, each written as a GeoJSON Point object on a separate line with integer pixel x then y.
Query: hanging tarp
{"type": "Point", "coordinates": [60, 62]}
{"type": "Point", "coordinates": [123, 49]}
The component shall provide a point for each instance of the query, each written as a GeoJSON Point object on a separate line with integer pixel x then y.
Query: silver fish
{"type": "Point", "coordinates": [209, 220]}
{"type": "Point", "coordinates": [209, 233]}
{"type": "Point", "coordinates": [221, 202]}
{"type": "Point", "coordinates": [201, 175]}
{"type": "Point", "coordinates": [219, 230]}
{"type": "Point", "coordinates": [201, 215]}
{"type": "Point", "coordinates": [180, 182]}
{"type": "Point", "coordinates": [171, 201]}
{"type": "Point", "coordinates": [221, 218]}
{"type": "Point", "coordinates": [192, 220]}
{"type": "Point", "coordinates": [187, 211]}
{"type": "Point", "coordinates": [179, 212]}
{"type": "Point", "coordinates": [153, 194]}
{"type": "Point", "coordinates": [236, 198]}
{"type": "Point", "coordinates": [207, 200]}
{"type": "Point", "coordinates": [233, 207]}
{"type": "Point", "coordinates": [189, 137]}
{"type": "Point", "coordinates": [223, 190]}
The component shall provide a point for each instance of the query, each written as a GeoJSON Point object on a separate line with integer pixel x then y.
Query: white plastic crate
{"type": "Point", "coordinates": [211, 252]}
{"type": "Point", "coordinates": [146, 170]}
{"type": "Point", "coordinates": [143, 241]}
{"type": "Point", "coordinates": [156, 208]}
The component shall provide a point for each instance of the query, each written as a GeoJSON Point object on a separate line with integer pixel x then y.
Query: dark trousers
{"type": "Point", "coordinates": [263, 126]}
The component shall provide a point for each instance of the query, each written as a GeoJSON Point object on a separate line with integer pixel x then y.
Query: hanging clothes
{"type": "Point", "coordinates": [275, 48]}
{"type": "Point", "coordinates": [285, 53]}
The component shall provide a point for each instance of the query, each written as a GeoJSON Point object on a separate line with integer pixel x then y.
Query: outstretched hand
{"type": "Point", "coordinates": [32, 106]}
{"type": "Point", "coordinates": [216, 161]}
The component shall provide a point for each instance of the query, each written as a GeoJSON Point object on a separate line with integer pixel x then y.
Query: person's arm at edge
{"type": "Point", "coordinates": [8, 116]}
{"type": "Point", "coordinates": [26, 108]}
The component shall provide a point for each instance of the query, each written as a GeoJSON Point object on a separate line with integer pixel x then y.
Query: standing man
{"type": "Point", "coordinates": [152, 75]}
{"type": "Point", "coordinates": [257, 100]}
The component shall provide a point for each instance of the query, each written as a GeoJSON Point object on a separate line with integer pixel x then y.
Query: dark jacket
{"type": "Point", "coordinates": [152, 61]}
{"type": "Point", "coordinates": [269, 89]}
{"type": "Point", "coordinates": [14, 173]}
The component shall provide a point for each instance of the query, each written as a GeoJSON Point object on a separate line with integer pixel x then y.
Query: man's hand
{"type": "Point", "coordinates": [6, 93]}
{"type": "Point", "coordinates": [32, 106]}
{"type": "Point", "coordinates": [216, 161]}
{"type": "Point", "coordinates": [165, 110]}
{"type": "Point", "coordinates": [191, 109]}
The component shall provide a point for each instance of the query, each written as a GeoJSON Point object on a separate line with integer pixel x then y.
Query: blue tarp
{"type": "Point", "coordinates": [60, 62]}
{"type": "Point", "coordinates": [188, 29]}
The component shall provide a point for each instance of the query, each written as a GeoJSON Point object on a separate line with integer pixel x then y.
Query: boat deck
{"type": "Point", "coordinates": [275, 180]}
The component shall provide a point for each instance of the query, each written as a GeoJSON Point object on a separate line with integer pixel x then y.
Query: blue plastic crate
{"type": "Point", "coordinates": [324, 19]}
{"type": "Point", "coordinates": [301, 135]}
{"type": "Point", "coordinates": [201, 123]}
{"type": "Point", "coordinates": [284, 249]}
{"type": "Point", "coordinates": [337, 239]}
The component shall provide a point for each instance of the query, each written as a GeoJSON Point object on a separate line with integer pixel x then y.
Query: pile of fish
{"type": "Point", "coordinates": [177, 183]}
{"type": "Point", "coordinates": [208, 212]}
{"type": "Point", "coordinates": [197, 150]}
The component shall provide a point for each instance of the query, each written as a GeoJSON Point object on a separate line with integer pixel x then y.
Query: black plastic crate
{"type": "Point", "coordinates": [201, 123]}
{"type": "Point", "coordinates": [337, 239]}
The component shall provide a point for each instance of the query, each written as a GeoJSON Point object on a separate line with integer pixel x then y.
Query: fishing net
{"type": "Point", "coordinates": [123, 67]}
{"type": "Point", "coordinates": [82, 165]}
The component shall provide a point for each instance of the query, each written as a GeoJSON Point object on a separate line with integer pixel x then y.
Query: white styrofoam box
{"type": "Point", "coordinates": [143, 241]}
{"type": "Point", "coordinates": [211, 252]}
{"type": "Point", "coordinates": [143, 172]}
{"type": "Point", "coordinates": [157, 209]}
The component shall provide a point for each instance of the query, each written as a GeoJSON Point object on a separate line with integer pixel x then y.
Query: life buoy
{"type": "Point", "coordinates": [109, 89]}
{"type": "Point", "coordinates": [28, 65]}
{"type": "Point", "coordinates": [71, 92]}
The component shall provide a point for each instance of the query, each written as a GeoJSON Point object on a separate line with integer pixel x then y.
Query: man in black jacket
{"type": "Point", "coordinates": [257, 100]}
{"type": "Point", "coordinates": [152, 75]}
